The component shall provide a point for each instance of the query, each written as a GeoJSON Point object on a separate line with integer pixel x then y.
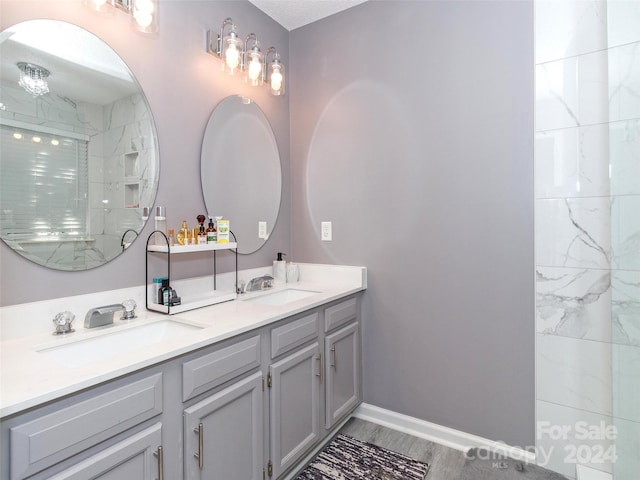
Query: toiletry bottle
{"type": "Point", "coordinates": [145, 215]}
{"type": "Point", "coordinates": [166, 292]}
{"type": "Point", "coordinates": [164, 285]}
{"type": "Point", "coordinates": [280, 269]}
{"type": "Point", "coordinates": [211, 232]}
{"type": "Point", "coordinates": [223, 230]}
{"type": "Point", "coordinates": [161, 225]}
{"type": "Point", "coordinates": [172, 237]}
{"type": "Point", "coordinates": [157, 288]}
{"type": "Point", "coordinates": [182, 234]}
{"type": "Point", "coordinates": [202, 232]}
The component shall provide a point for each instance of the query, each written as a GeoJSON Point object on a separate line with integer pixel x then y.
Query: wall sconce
{"type": "Point", "coordinates": [246, 57]}
{"type": "Point", "coordinates": [33, 78]}
{"type": "Point", "coordinates": [143, 12]}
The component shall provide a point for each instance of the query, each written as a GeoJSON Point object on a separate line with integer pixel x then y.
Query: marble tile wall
{"type": "Point", "coordinates": [127, 132]}
{"type": "Point", "coordinates": [587, 161]}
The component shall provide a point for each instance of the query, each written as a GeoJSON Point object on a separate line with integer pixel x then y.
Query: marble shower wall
{"type": "Point", "coordinates": [587, 187]}
{"type": "Point", "coordinates": [121, 170]}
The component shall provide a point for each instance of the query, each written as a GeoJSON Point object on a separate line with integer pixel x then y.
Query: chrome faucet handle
{"type": "Point", "coordinates": [128, 309]}
{"type": "Point", "coordinates": [63, 321]}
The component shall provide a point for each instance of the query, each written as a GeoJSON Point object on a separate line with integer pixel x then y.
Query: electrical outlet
{"type": "Point", "coordinates": [325, 231]}
{"type": "Point", "coordinates": [262, 230]}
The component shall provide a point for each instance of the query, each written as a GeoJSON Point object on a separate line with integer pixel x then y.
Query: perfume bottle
{"type": "Point", "coordinates": [183, 234]}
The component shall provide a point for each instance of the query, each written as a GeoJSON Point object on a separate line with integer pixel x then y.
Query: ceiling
{"type": "Point", "coordinates": [292, 14]}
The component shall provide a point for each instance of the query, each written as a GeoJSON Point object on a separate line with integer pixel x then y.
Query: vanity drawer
{"type": "Point", "coordinates": [340, 314]}
{"type": "Point", "coordinates": [213, 369]}
{"type": "Point", "coordinates": [49, 439]}
{"type": "Point", "coordinates": [293, 334]}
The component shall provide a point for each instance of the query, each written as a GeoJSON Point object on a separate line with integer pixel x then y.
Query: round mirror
{"type": "Point", "coordinates": [240, 171]}
{"type": "Point", "coordinates": [78, 148]}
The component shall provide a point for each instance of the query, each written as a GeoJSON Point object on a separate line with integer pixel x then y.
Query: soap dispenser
{"type": "Point", "coordinates": [280, 269]}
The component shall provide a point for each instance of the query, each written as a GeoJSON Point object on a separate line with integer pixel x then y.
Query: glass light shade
{"type": "Point", "coordinates": [254, 66]}
{"type": "Point", "coordinates": [276, 77]}
{"type": "Point", "coordinates": [33, 79]}
{"type": "Point", "coordinates": [231, 51]}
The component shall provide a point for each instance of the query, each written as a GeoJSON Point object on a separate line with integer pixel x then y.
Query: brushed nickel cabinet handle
{"type": "Point", "coordinates": [321, 369]}
{"type": "Point", "coordinates": [335, 358]}
{"type": "Point", "coordinates": [200, 454]}
{"type": "Point", "coordinates": [158, 453]}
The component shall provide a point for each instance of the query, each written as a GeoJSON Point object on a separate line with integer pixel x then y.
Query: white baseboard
{"type": "Point", "coordinates": [437, 433]}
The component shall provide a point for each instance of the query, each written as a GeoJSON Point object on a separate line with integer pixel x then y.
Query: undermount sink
{"type": "Point", "coordinates": [281, 297]}
{"type": "Point", "coordinates": [115, 342]}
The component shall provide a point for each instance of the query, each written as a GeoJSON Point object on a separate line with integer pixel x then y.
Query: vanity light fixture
{"type": "Point", "coordinates": [33, 78]}
{"type": "Point", "coordinates": [143, 12]}
{"type": "Point", "coordinates": [246, 57]}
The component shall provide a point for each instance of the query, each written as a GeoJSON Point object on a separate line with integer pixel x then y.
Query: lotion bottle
{"type": "Point", "coordinates": [280, 269]}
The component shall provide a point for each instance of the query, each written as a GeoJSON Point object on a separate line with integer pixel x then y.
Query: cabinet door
{"type": "Point", "coordinates": [223, 434]}
{"type": "Point", "coordinates": [135, 457]}
{"type": "Point", "coordinates": [294, 406]}
{"type": "Point", "coordinates": [342, 388]}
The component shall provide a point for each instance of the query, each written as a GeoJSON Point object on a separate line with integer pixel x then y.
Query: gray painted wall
{"type": "Point", "coordinates": [183, 84]}
{"type": "Point", "coordinates": [411, 129]}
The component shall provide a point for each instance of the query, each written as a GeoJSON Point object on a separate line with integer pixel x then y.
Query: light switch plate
{"type": "Point", "coordinates": [325, 231]}
{"type": "Point", "coordinates": [262, 229]}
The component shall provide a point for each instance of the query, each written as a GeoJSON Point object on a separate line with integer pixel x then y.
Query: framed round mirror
{"type": "Point", "coordinates": [240, 171]}
{"type": "Point", "coordinates": [78, 147]}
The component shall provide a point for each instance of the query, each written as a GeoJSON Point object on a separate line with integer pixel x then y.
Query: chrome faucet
{"type": "Point", "coordinates": [259, 283]}
{"type": "Point", "coordinates": [100, 316]}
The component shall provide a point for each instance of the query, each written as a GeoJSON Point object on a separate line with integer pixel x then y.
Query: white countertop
{"type": "Point", "coordinates": [28, 378]}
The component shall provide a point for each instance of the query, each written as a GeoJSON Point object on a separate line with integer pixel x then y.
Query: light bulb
{"type": "Point", "coordinates": [143, 19]}
{"type": "Point", "coordinates": [55, 142]}
{"type": "Point", "coordinates": [276, 80]}
{"type": "Point", "coordinates": [36, 139]}
{"type": "Point", "coordinates": [255, 67]}
{"type": "Point", "coordinates": [17, 136]}
{"type": "Point", "coordinates": [145, 7]}
{"type": "Point", "coordinates": [232, 56]}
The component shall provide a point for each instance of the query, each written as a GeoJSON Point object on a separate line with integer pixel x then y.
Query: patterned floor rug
{"type": "Point", "coordinates": [346, 458]}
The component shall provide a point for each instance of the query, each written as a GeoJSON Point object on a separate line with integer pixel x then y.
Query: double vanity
{"type": "Point", "coordinates": [241, 390]}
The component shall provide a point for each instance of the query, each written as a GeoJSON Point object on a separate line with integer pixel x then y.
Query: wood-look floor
{"type": "Point", "coordinates": [445, 463]}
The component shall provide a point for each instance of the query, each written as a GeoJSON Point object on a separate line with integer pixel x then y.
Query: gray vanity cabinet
{"type": "Point", "coordinates": [139, 456]}
{"type": "Point", "coordinates": [342, 387]}
{"type": "Point", "coordinates": [342, 360]}
{"type": "Point", "coordinates": [294, 407]}
{"type": "Point", "coordinates": [223, 434]}
{"type": "Point", "coordinates": [44, 442]}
